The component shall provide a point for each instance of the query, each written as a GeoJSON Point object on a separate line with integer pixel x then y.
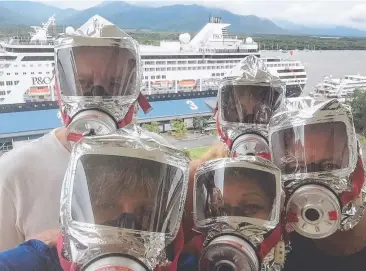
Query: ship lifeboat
{"type": "Point", "coordinates": [187, 83]}
{"type": "Point", "coordinates": [162, 84]}
{"type": "Point", "coordinates": [38, 91]}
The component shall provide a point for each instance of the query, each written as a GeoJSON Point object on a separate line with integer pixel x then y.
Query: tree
{"type": "Point", "coordinates": [179, 127]}
{"type": "Point", "coordinates": [153, 127]}
{"type": "Point", "coordinates": [214, 132]}
{"type": "Point", "coordinates": [199, 123]}
{"type": "Point", "coordinates": [186, 151]}
{"type": "Point", "coordinates": [358, 104]}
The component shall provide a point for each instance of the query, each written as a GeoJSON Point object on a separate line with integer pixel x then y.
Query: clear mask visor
{"type": "Point", "coordinates": [248, 104]}
{"type": "Point", "coordinates": [237, 192]}
{"type": "Point", "coordinates": [312, 148]}
{"type": "Point", "coordinates": [97, 71]}
{"type": "Point", "coordinates": [127, 193]}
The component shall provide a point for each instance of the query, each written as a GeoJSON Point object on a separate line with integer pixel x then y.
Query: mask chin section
{"type": "Point", "coordinates": [314, 211]}
{"type": "Point", "coordinates": [249, 144]}
{"type": "Point", "coordinates": [116, 262]}
{"type": "Point", "coordinates": [228, 253]}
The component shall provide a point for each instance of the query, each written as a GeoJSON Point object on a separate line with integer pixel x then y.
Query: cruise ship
{"type": "Point", "coordinates": [175, 69]}
{"type": "Point", "coordinates": [339, 87]}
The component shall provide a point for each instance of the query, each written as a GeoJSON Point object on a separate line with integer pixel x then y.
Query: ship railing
{"type": "Point", "coordinates": [227, 51]}
{"type": "Point", "coordinates": [232, 37]}
{"type": "Point", "coordinates": [29, 42]}
{"type": "Point", "coordinates": [180, 90]}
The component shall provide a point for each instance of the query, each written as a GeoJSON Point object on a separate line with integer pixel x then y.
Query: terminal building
{"type": "Point", "coordinates": [23, 122]}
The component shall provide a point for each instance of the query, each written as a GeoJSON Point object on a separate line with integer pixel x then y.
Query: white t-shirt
{"type": "Point", "coordinates": [30, 187]}
{"type": "Point", "coordinates": [31, 179]}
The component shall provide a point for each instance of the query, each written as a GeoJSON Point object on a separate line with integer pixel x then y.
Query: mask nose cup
{"type": "Point", "coordinates": [98, 91]}
{"type": "Point", "coordinates": [127, 221]}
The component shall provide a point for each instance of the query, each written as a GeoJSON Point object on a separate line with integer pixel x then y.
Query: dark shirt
{"type": "Point", "coordinates": [305, 256]}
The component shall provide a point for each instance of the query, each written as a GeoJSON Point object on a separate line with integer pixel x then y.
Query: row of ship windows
{"type": "Point", "coordinates": [153, 77]}
{"type": "Point", "coordinates": [3, 93]}
{"type": "Point", "coordinates": [190, 62]}
{"type": "Point", "coordinates": [39, 65]}
{"type": "Point", "coordinates": [29, 58]}
{"type": "Point", "coordinates": [292, 76]}
{"type": "Point", "coordinates": [291, 70]}
{"type": "Point", "coordinates": [282, 65]}
{"type": "Point", "coordinates": [188, 68]}
{"type": "Point", "coordinates": [194, 56]}
{"type": "Point", "coordinates": [24, 73]}
{"type": "Point", "coordinates": [8, 83]}
{"type": "Point", "coordinates": [29, 50]}
{"type": "Point", "coordinates": [223, 51]}
{"type": "Point", "coordinates": [51, 50]}
{"type": "Point", "coordinates": [24, 66]}
{"type": "Point", "coordinates": [296, 81]}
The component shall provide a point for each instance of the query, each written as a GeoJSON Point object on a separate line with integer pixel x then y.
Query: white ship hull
{"type": "Point", "coordinates": [26, 70]}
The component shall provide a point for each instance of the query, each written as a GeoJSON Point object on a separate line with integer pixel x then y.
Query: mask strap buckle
{"type": "Point", "coordinates": [128, 118]}
{"type": "Point", "coordinates": [74, 137]}
{"type": "Point", "coordinates": [357, 181]}
{"type": "Point", "coordinates": [226, 140]}
{"type": "Point", "coordinates": [144, 103]}
{"type": "Point", "coordinates": [65, 264]}
{"type": "Point", "coordinates": [269, 243]}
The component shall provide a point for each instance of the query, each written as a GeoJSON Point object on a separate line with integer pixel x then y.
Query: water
{"type": "Point", "coordinates": [324, 63]}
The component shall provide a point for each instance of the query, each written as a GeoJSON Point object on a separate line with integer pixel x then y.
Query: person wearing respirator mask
{"type": "Point", "coordinates": [320, 158]}
{"type": "Point", "coordinates": [247, 99]}
{"type": "Point", "coordinates": [237, 209]}
{"type": "Point", "coordinates": [121, 207]}
{"type": "Point", "coordinates": [98, 82]}
{"type": "Point", "coordinates": [98, 87]}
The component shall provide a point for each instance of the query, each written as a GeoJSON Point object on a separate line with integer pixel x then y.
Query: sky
{"type": "Point", "coordinates": [306, 12]}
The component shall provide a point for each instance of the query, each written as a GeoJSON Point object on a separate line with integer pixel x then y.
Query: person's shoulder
{"type": "Point", "coordinates": [302, 249]}
{"type": "Point", "coordinates": [28, 148]}
{"type": "Point", "coordinates": [187, 262]}
{"type": "Point", "coordinates": [24, 157]}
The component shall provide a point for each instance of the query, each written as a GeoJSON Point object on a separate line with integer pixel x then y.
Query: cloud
{"type": "Point", "coordinates": [307, 12]}
{"type": "Point", "coordinates": [357, 14]}
{"type": "Point", "coordinates": [76, 4]}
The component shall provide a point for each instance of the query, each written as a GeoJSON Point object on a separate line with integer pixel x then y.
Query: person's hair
{"type": "Point", "coordinates": [109, 175]}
